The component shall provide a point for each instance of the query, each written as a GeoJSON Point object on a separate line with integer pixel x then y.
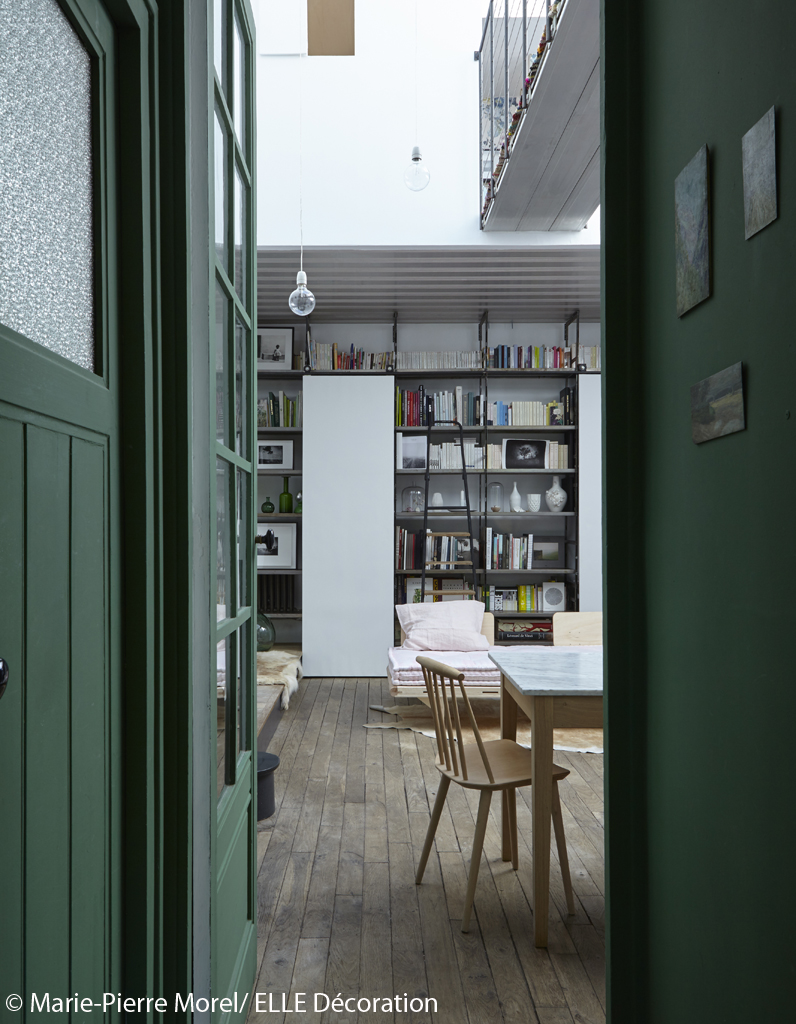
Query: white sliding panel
{"type": "Point", "coordinates": [590, 490]}
{"type": "Point", "coordinates": [348, 502]}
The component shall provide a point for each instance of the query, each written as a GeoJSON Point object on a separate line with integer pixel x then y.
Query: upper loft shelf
{"type": "Point", "coordinates": [550, 179]}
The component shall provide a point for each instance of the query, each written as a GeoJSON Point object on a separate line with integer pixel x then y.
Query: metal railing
{"type": "Point", "coordinates": [515, 37]}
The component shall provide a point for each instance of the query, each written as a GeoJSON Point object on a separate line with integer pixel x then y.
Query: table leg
{"type": "Point", "coordinates": [542, 805]}
{"type": "Point", "coordinates": [508, 731]}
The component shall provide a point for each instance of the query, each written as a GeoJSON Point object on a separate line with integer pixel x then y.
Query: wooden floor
{"type": "Point", "coordinates": [339, 911]}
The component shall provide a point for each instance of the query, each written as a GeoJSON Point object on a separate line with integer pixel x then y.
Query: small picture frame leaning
{"type": "Point", "coordinates": [277, 549]}
{"type": "Point", "coordinates": [274, 455]}
{"type": "Point", "coordinates": [274, 349]}
{"type": "Point", "coordinates": [548, 552]}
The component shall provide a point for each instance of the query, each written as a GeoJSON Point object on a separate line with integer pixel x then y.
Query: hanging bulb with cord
{"type": "Point", "coordinates": [416, 175]}
{"type": "Point", "coordinates": [301, 301]}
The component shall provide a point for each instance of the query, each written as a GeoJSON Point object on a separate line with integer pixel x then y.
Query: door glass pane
{"type": "Point", "coordinates": [223, 563]}
{"type": "Point", "coordinates": [223, 693]}
{"type": "Point", "coordinates": [241, 390]}
{"type": "Point", "coordinates": [245, 528]}
{"type": "Point", "coordinates": [222, 367]}
{"type": "Point", "coordinates": [220, 41]}
{"type": "Point", "coordinates": [241, 196]}
{"type": "Point", "coordinates": [244, 687]}
{"type": "Point", "coordinates": [221, 192]}
{"type": "Point", "coordinates": [238, 84]}
{"type": "Point", "coordinates": [47, 250]}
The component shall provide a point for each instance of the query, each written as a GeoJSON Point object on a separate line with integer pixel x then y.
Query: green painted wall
{"type": "Point", "coordinates": [701, 565]}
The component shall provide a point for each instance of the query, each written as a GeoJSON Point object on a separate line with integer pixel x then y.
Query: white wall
{"type": "Point", "coordinates": [358, 129]}
{"type": "Point", "coordinates": [591, 494]}
{"type": "Point", "coordinates": [347, 500]}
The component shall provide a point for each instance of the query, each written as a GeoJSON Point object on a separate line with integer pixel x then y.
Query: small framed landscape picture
{"type": "Point", "coordinates": [278, 547]}
{"type": "Point", "coordinates": [548, 553]}
{"type": "Point", "coordinates": [413, 452]}
{"type": "Point", "coordinates": [274, 455]}
{"type": "Point", "coordinates": [524, 453]}
{"type": "Point", "coordinates": [275, 349]}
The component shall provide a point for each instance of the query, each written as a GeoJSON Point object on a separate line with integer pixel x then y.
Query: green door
{"type": "Point", "coordinates": [233, 401]}
{"type": "Point", "coordinates": [60, 748]}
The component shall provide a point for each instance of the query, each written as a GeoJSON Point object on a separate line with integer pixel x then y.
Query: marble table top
{"type": "Point", "coordinates": [552, 671]}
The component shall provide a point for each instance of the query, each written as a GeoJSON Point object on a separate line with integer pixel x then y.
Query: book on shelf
{"type": "Point", "coordinates": [411, 551]}
{"type": "Point", "coordinates": [461, 405]}
{"type": "Point", "coordinates": [523, 630]}
{"type": "Point", "coordinates": [460, 360]}
{"type": "Point", "coordinates": [556, 455]}
{"type": "Point", "coordinates": [337, 357]}
{"type": "Point", "coordinates": [526, 414]}
{"type": "Point", "coordinates": [524, 598]}
{"type": "Point", "coordinates": [280, 410]}
{"type": "Point", "coordinates": [508, 550]}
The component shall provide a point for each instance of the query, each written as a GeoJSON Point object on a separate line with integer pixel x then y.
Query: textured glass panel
{"type": "Point", "coordinates": [244, 685]}
{"type": "Point", "coordinates": [46, 224]}
{"type": "Point", "coordinates": [238, 83]}
{"type": "Point", "coordinates": [220, 41]}
{"type": "Point", "coordinates": [222, 367]}
{"type": "Point", "coordinates": [242, 443]}
{"type": "Point", "coordinates": [241, 195]}
{"type": "Point", "coordinates": [224, 692]}
{"type": "Point", "coordinates": [221, 192]}
{"type": "Point", "coordinates": [244, 529]}
{"type": "Point", "coordinates": [223, 553]}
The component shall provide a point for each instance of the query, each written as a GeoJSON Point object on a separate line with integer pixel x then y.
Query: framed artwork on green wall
{"type": "Point", "coordinates": [692, 233]}
{"type": "Point", "coordinates": [758, 149]}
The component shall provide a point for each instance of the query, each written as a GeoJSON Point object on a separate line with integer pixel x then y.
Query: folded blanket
{"type": "Point", "coordinates": [402, 666]}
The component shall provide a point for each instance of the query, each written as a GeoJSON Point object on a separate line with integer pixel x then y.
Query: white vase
{"type": "Point", "coordinates": [515, 501]}
{"type": "Point", "coordinates": [556, 497]}
{"type": "Point", "coordinates": [534, 502]}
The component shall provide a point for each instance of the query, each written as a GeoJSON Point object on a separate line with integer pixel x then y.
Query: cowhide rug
{"type": "Point", "coordinates": [280, 667]}
{"type": "Point", "coordinates": [418, 718]}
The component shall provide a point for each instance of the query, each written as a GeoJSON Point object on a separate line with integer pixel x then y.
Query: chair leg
{"type": "Point", "coordinates": [475, 863]}
{"type": "Point", "coordinates": [561, 844]}
{"type": "Point", "coordinates": [511, 795]}
{"type": "Point", "coordinates": [442, 792]}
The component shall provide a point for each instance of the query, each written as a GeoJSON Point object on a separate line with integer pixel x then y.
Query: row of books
{"type": "Point", "coordinates": [531, 357]}
{"type": "Point", "coordinates": [410, 407]}
{"type": "Point", "coordinates": [449, 455]}
{"type": "Point", "coordinates": [508, 551]}
{"type": "Point", "coordinates": [279, 410]}
{"type": "Point", "coordinates": [331, 357]}
{"type": "Point", "coordinates": [439, 360]}
{"type": "Point", "coordinates": [556, 456]}
{"type": "Point", "coordinates": [526, 414]}
{"type": "Point", "coordinates": [516, 599]}
{"type": "Point", "coordinates": [276, 593]}
{"type": "Point", "coordinates": [437, 589]}
{"type": "Point", "coordinates": [410, 551]}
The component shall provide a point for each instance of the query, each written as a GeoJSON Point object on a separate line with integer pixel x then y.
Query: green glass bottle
{"type": "Point", "coordinates": [286, 498]}
{"type": "Point", "coordinates": [298, 504]}
{"type": "Point", "coordinates": [267, 506]}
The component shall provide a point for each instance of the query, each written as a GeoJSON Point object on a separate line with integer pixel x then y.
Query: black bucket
{"type": "Point", "coordinates": [266, 766]}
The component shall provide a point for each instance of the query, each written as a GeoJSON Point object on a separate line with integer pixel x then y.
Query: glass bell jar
{"type": "Point", "coordinates": [495, 497]}
{"type": "Point", "coordinates": [412, 499]}
{"type": "Point", "coordinates": [266, 634]}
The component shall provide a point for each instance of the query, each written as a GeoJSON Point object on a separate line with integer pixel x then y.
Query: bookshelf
{"type": "Point", "coordinates": [497, 384]}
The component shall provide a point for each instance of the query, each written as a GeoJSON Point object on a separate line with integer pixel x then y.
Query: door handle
{"type": "Point", "coordinates": [3, 676]}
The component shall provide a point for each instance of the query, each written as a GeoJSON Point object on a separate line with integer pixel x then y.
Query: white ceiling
{"type": "Point", "coordinates": [434, 284]}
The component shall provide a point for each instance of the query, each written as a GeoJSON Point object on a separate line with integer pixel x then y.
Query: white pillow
{"type": "Point", "coordinates": [443, 626]}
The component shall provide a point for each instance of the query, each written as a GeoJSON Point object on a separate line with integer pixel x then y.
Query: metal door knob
{"type": "Point", "coordinates": [3, 676]}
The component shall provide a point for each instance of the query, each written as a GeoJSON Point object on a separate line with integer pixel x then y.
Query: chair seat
{"type": "Point", "coordinates": [510, 763]}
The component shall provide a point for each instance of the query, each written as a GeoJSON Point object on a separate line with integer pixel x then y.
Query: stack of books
{"type": "Point", "coordinates": [508, 551]}
{"type": "Point", "coordinates": [439, 360]}
{"type": "Point", "coordinates": [279, 410]}
{"type": "Point", "coordinates": [449, 455]}
{"type": "Point", "coordinates": [410, 407]}
{"type": "Point", "coordinates": [410, 550]}
{"type": "Point", "coordinates": [530, 357]}
{"type": "Point", "coordinates": [523, 630]}
{"type": "Point", "coordinates": [330, 357]}
{"type": "Point", "coordinates": [519, 599]}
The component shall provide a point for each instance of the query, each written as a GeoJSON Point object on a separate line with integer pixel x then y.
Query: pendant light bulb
{"type": "Point", "coordinates": [416, 175]}
{"type": "Point", "coordinates": [301, 301]}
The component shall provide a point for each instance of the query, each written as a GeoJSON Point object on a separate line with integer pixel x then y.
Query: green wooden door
{"type": "Point", "coordinates": [60, 748]}
{"type": "Point", "coordinates": [233, 400]}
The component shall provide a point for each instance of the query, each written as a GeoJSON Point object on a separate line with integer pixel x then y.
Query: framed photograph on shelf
{"type": "Point", "coordinates": [278, 547]}
{"type": "Point", "coordinates": [548, 553]}
{"type": "Point", "coordinates": [524, 453]}
{"type": "Point", "coordinates": [275, 455]}
{"type": "Point", "coordinates": [413, 452]}
{"type": "Point", "coordinates": [274, 349]}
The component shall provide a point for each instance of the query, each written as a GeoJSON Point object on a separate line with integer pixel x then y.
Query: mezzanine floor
{"type": "Point", "coordinates": [339, 911]}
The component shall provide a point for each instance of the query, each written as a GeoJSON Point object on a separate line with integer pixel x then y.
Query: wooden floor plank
{"type": "Point", "coordinates": [338, 908]}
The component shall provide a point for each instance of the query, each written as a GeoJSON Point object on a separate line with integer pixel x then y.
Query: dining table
{"type": "Point", "coordinates": [557, 688]}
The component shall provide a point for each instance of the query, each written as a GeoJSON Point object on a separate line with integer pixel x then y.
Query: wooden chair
{"type": "Point", "coordinates": [577, 629]}
{"type": "Point", "coordinates": [490, 766]}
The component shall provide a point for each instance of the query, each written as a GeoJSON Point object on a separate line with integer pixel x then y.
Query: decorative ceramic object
{"type": "Point", "coordinates": [267, 506]}
{"type": "Point", "coordinates": [515, 501]}
{"type": "Point", "coordinates": [462, 502]}
{"type": "Point", "coordinates": [495, 497]}
{"type": "Point", "coordinates": [534, 502]}
{"type": "Point", "coordinates": [436, 499]}
{"type": "Point", "coordinates": [297, 509]}
{"type": "Point", "coordinates": [556, 497]}
{"type": "Point", "coordinates": [286, 498]}
{"type": "Point", "coordinates": [412, 499]}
